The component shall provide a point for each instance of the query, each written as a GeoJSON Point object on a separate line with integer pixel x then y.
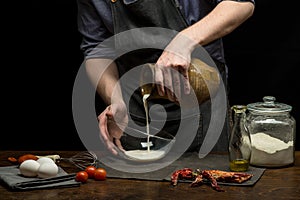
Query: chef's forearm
{"type": "Point", "coordinates": [226, 16]}
{"type": "Point", "coordinates": [103, 74]}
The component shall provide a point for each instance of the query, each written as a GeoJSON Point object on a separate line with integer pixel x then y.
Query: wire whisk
{"type": "Point", "coordinates": [80, 160]}
{"type": "Point", "coordinates": [83, 159]}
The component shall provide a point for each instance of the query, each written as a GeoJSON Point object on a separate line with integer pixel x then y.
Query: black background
{"type": "Point", "coordinates": [41, 56]}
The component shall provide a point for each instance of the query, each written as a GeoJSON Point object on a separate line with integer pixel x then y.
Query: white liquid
{"type": "Point", "coordinates": [147, 120]}
{"type": "Point", "coordinates": [145, 155]}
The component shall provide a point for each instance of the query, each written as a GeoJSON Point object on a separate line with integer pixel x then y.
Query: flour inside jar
{"type": "Point", "coordinates": [269, 151]}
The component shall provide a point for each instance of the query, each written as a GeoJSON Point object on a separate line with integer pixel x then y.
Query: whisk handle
{"type": "Point", "coordinates": [54, 157]}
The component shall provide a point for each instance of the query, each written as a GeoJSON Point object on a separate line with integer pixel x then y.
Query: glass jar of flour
{"type": "Point", "coordinates": [272, 131]}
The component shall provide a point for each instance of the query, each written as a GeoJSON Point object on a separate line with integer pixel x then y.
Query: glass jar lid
{"type": "Point", "coordinates": [269, 105]}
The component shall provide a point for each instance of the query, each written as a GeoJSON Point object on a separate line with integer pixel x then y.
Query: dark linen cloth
{"type": "Point", "coordinates": [13, 179]}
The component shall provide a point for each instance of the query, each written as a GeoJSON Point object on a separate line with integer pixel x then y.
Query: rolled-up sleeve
{"type": "Point", "coordinates": [94, 22]}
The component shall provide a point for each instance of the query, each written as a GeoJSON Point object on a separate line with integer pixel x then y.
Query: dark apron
{"type": "Point", "coordinates": [140, 14]}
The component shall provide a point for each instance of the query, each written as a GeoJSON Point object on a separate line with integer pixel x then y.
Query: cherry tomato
{"type": "Point", "coordinates": [81, 176]}
{"type": "Point", "coordinates": [90, 170]}
{"type": "Point", "coordinates": [100, 174]}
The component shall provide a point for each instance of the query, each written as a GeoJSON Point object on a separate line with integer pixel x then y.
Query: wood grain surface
{"type": "Point", "coordinates": [280, 183]}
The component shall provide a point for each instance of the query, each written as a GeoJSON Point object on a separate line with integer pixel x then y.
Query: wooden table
{"type": "Point", "coordinates": [283, 183]}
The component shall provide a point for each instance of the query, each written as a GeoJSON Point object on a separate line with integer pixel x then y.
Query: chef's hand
{"type": "Point", "coordinates": [112, 122]}
{"type": "Point", "coordinates": [175, 58]}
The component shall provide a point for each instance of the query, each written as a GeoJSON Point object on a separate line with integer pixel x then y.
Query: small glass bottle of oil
{"type": "Point", "coordinates": [239, 141]}
{"type": "Point", "coordinates": [239, 165]}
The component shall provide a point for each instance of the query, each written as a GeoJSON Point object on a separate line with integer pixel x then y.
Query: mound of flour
{"type": "Point", "coordinates": [268, 151]}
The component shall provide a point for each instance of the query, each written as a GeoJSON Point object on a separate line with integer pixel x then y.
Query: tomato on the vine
{"type": "Point", "coordinates": [90, 170]}
{"type": "Point", "coordinates": [81, 176]}
{"type": "Point", "coordinates": [100, 174]}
